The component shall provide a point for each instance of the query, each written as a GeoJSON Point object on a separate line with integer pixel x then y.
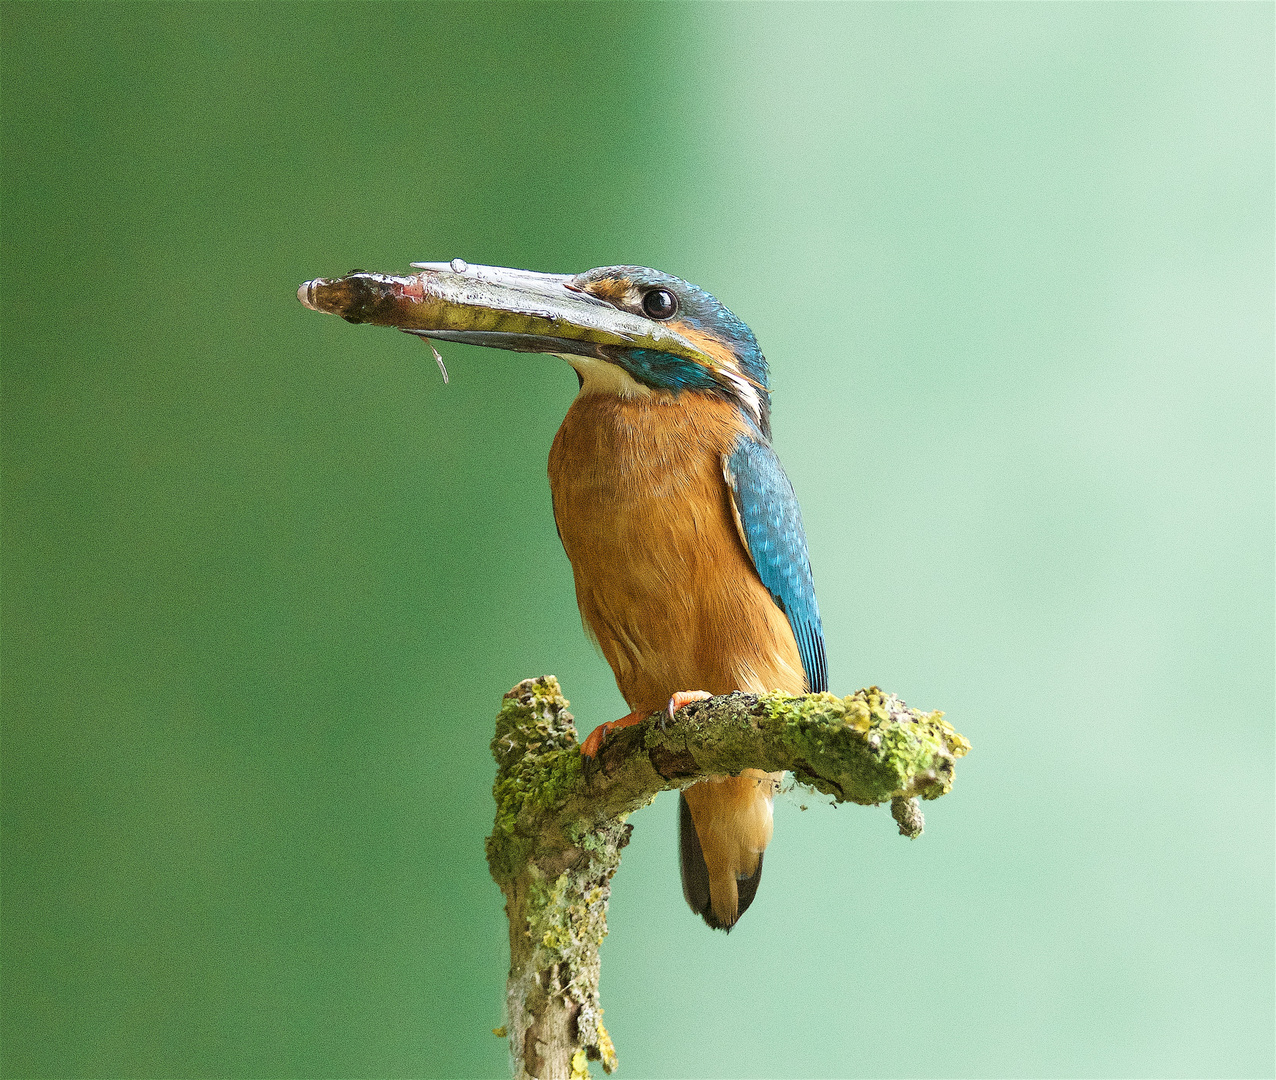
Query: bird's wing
{"type": "Point", "coordinates": [770, 524]}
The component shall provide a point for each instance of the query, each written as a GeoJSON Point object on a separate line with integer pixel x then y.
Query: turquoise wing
{"type": "Point", "coordinates": [770, 524]}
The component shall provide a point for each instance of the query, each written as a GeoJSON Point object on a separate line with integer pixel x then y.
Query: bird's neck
{"type": "Point", "coordinates": [598, 377]}
{"type": "Point", "coordinates": [643, 434]}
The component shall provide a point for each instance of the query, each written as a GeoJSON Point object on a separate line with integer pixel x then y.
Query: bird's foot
{"type": "Point", "coordinates": [591, 746]}
{"type": "Point", "coordinates": [681, 698]}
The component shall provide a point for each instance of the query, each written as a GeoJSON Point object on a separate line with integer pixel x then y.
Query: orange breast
{"type": "Point", "coordinates": [663, 579]}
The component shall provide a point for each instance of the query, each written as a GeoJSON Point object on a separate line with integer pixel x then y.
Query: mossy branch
{"type": "Point", "coordinates": [560, 823]}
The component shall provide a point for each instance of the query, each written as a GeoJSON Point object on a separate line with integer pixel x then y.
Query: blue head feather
{"type": "Point", "coordinates": [698, 310]}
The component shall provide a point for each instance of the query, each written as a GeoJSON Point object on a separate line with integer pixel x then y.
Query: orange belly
{"type": "Point", "coordinates": [663, 580]}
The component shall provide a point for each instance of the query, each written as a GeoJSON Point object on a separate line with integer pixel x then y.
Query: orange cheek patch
{"type": "Point", "coordinates": [613, 290]}
{"type": "Point", "coordinates": [717, 351]}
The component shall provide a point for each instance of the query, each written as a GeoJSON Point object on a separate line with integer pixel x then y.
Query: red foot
{"type": "Point", "coordinates": [591, 746]}
{"type": "Point", "coordinates": [685, 697]}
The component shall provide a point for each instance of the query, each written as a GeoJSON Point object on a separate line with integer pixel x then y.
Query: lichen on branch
{"type": "Point", "coordinates": [560, 823]}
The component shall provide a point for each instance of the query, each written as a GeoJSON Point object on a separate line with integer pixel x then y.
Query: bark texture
{"type": "Point", "coordinates": [560, 824]}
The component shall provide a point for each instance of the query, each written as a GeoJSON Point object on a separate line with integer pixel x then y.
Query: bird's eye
{"type": "Point", "coordinates": [660, 304]}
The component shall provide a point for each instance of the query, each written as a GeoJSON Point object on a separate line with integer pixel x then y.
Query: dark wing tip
{"type": "Point", "coordinates": [814, 658]}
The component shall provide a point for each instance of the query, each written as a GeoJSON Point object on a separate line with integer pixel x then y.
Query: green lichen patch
{"type": "Point", "coordinates": [533, 720]}
{"type": "Point", "coordinates": [866, 748]}
{"type": "Point", "coordinates": [538, 767]}
{"type": "Point", "coordinates": [566, 920]}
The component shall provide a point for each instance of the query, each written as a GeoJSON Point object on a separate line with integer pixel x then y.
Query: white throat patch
{"type": "Point", "coordinates": [601, 377]}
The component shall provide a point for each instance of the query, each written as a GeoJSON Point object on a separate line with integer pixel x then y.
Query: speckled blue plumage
{"type": "Point", "coordinates": [772, 524]}
{"type": "Point", "coordinates": [665, 372]}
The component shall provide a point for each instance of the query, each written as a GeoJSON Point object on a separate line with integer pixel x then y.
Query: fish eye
{"type": "Point", "coordinates": [660, 304]}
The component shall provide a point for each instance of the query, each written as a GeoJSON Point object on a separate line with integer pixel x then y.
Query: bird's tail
{"type": "Point", "coordinates": [724, 826]}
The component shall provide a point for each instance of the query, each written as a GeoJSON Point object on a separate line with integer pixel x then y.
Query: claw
{"type": "Point", "coordinates": [685, 697]}
{"type": "Point", "coordinates": [590, 747]}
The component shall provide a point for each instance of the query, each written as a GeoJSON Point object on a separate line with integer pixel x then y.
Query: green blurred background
{"type": "Point", "coordinates": [266, 577]}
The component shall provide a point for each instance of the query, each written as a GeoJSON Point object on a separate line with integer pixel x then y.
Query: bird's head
{"type": "Point", "coordinates": [626, 330]}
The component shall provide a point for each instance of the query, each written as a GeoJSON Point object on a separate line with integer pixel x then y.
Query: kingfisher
{"type": "Point", "coordinates": [683, 531]}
